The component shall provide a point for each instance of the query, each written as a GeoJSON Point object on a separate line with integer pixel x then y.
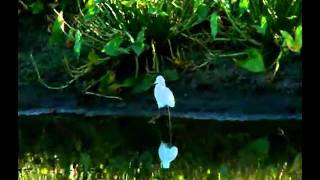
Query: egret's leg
{"type": "Point", "coordinates": [170, 126]}
{"type": "Point", "coordinates": [153, 120]}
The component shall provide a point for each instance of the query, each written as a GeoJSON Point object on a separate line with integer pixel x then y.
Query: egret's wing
{"type": "Point", "coordinates": [169, 97]}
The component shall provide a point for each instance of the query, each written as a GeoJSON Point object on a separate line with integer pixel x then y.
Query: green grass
{"type": "Point", "coordinates": [50, 168]}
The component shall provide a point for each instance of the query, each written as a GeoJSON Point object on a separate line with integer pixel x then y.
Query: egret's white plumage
{"type": "Point", "coordinates": [167, 154]}
{"type": "Point", "coordinates": [163, 95]}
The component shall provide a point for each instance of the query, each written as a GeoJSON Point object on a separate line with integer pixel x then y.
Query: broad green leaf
{"type": "Point", "coordinates": [171, 74]}
{"type": "Point", "coordinates": [244, 6]}
{"type": "Point", "coordinates": [214, 25]}
{"type": "Point", "coordinates": [288, 39]}
{"type": "Point", "coordinates": [254, 62]}
{"type": "Point", "coordinates": [202, 12]}
{"type": "Point", "coordinates": [57, 30]}
{"type": "Point", "coordinates": [298, 39]}
{"type": "Point", "coordinates": [263, 25]}
{"type": "Point", "coordinates": [93, 57]}
{"type": "Point", "coordinates": [37, 7]}
{"type": "Point", "coordinates": [112, 48]}
{"type": "Point", "coordinates": [145, 83]}
{"type": "Point", "coordinates": [77, 45]}
{"type": "Point", "coordinates": [138, 45]}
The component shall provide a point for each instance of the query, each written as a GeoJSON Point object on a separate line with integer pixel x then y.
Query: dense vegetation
{"type": "Point", "coordinates": [121, 45]}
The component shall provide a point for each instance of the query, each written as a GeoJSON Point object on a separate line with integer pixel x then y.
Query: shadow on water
{"type": "Point", "coordinates": [128, 147]}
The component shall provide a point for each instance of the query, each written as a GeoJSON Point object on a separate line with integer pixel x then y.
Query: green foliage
{"type": "Point", "coordinates": [77, 45]}
{"type": "Point", "coordinates": [263, 25]}
{"type": "Point", "coordinates": [254, 62]}
{"type": "Point", "coordinates": [37, 7]}
{"type": "Point", "coordinates": [144, 83]}
{"type": "Point", "coordinates": [214, 25]}
{"type": "Point", "coordinates": [93, 58]}
{"type": "Point", "coordinates": [244, 6]}
{"type": "Point", "coordinates": [171, 74]}
{"type": "Point", "coordinates": [138, 45]}
{"type": "Point", "coordinates": [254, 152]}
{"type": "Point", "coordinates": [202, 12]}
{"type": "Point", "coordinates": [85, 161]}
{"type": "Point", "coordinates": [57, 30]}
{"type": "Point", "coordinates": [123, 30]}
{"type": "Point", "coordinates": [112, 48]}
{"type": "Point", "coordinates": [293, 44]}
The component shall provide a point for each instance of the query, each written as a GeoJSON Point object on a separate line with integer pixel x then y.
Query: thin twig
{"type": "Point", "coordinates": [100, 95]}
{"type": "Point", "coordinates": [45, 84]}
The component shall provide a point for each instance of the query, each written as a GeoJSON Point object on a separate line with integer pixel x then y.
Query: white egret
{"type": "Point", "coordinates": [164, 98]}
{"type": "Point", "coordinates": [163, 94]}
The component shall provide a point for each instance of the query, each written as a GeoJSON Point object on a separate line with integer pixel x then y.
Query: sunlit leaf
{"type": "Point", "coordinates": [57, 30]}
{"type": "Point", "coordinates": [171, 75]}
{"type": "Point", "coordinates": [263, 25]}
{"type": "Point", "coordinates": [298, 39]}
{"type": "Point", "coordinates": [138, 45]}
{"type": "Point", "coordinates": [254, 62]}
{"type": "Point", "coordinates": [293, 44]}
{"type": "Point", "coordinates": [244, 6]}
{"type": "Point", "coordinates": [288, 39]}
{"type": "Point", "coordinates": [77, 45]}
{"type": "Point", "coordinates": [112, 48]}
{"type": "Point", "coordinates": [214, 25]}
{"type": "Point", "coordinates": [37, 7]}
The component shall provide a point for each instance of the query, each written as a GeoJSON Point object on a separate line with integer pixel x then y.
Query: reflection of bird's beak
{"type": "Point", "coordinates": [155, 83]}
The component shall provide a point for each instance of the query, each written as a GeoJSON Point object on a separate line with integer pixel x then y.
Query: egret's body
{"type": "Point", "coordinates": [165, 98]}
{"type": "Point", "coordinates": [163, 95]}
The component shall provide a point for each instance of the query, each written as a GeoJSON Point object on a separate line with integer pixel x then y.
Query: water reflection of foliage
{"type": "Point", "coordinates": [108, 148]}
